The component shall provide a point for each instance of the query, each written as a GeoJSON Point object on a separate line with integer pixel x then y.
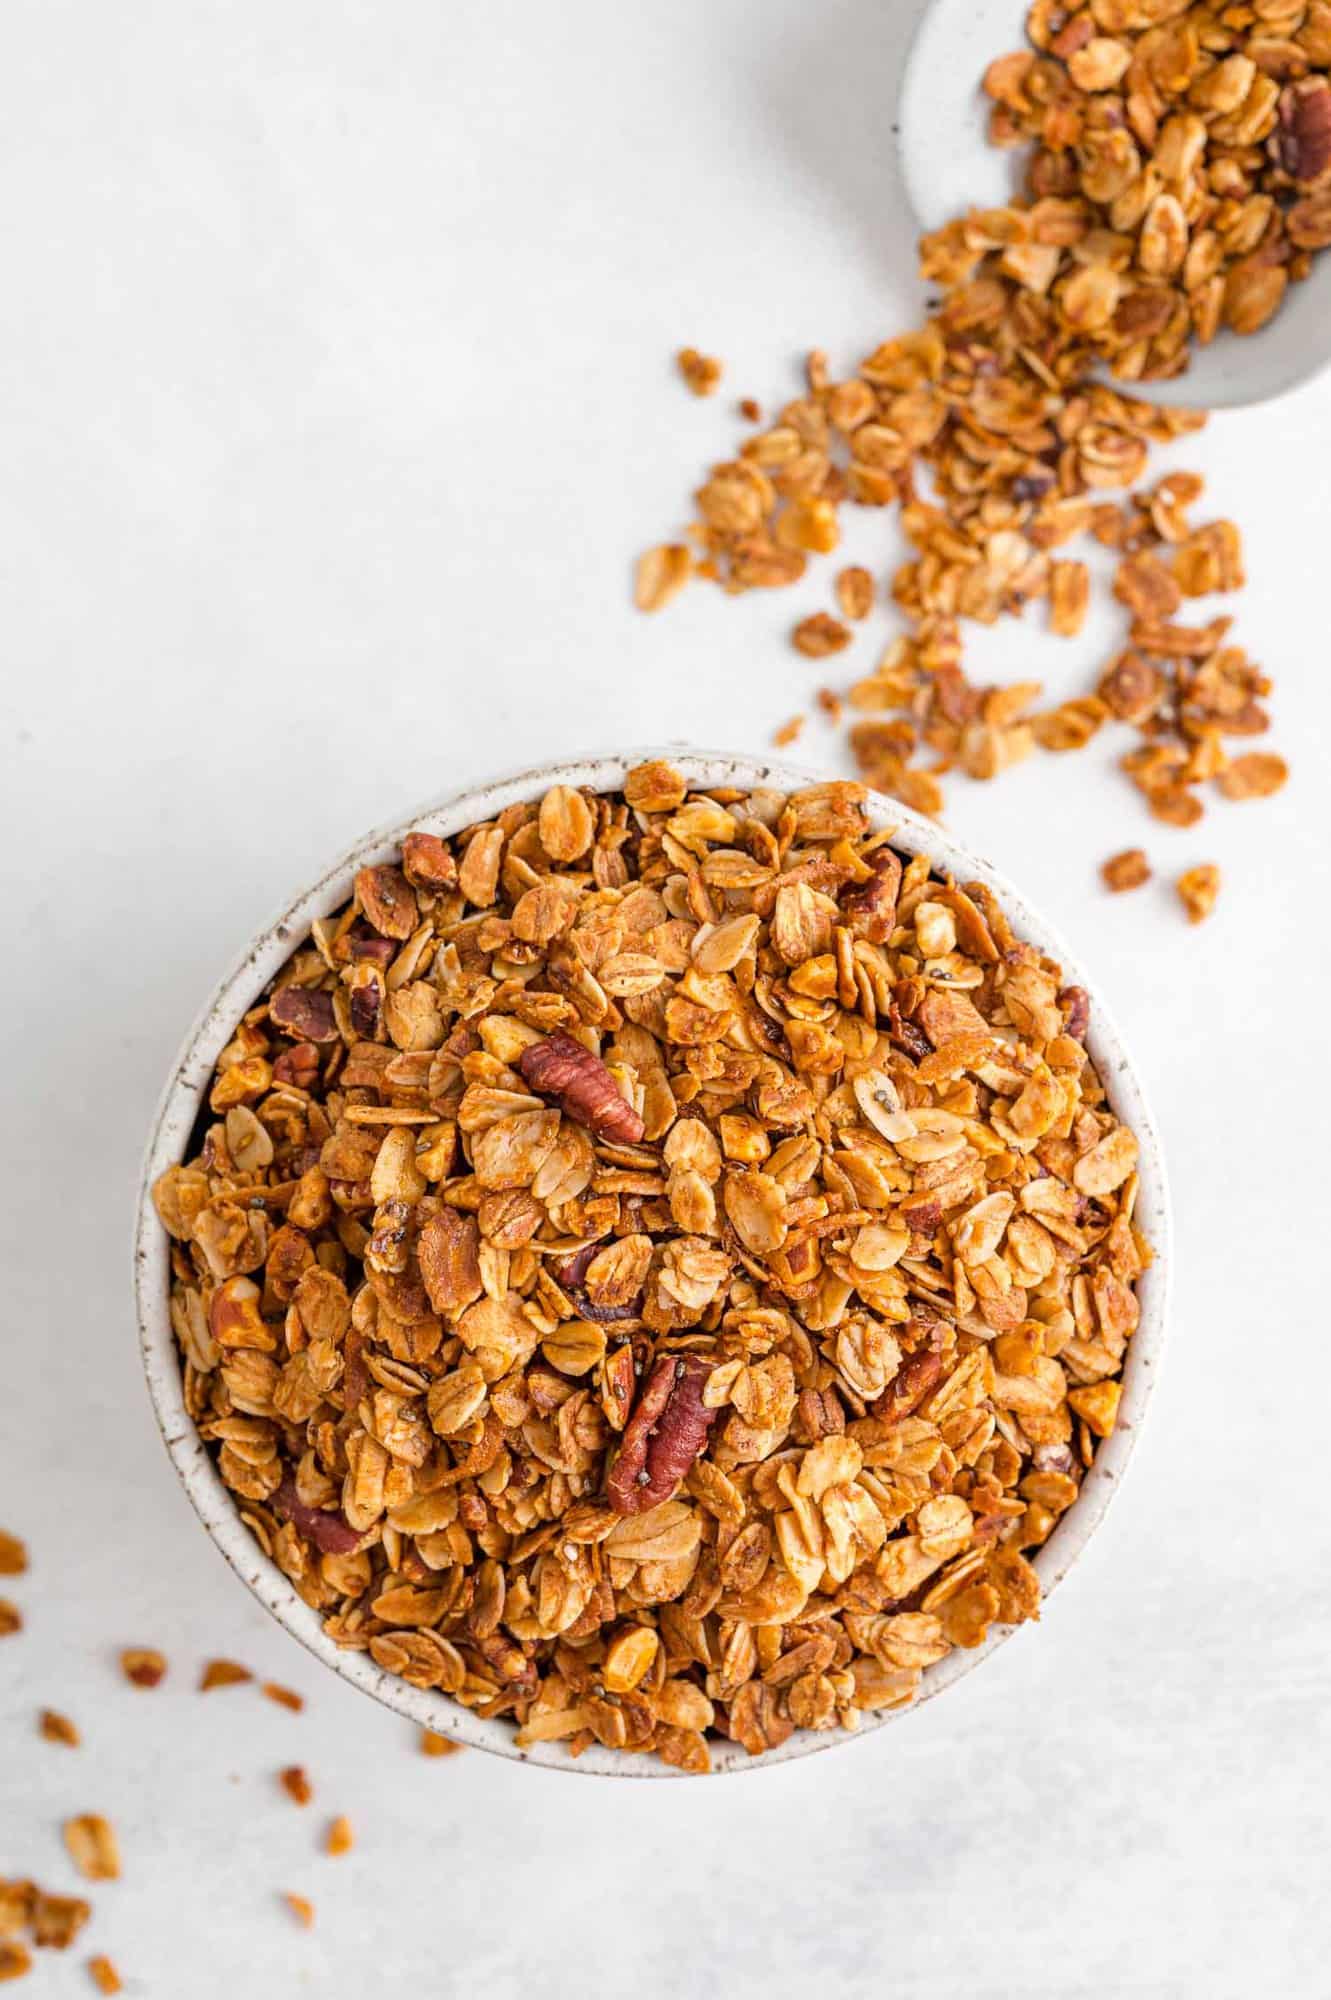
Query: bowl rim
{"type": "Point", "coordinates": [238, 990]}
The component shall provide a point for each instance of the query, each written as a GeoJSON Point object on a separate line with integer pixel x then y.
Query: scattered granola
{"type": "Point", "coordinates": [285, 1697]}
{"type": "Point", "coordinates": [1128, 870]}
{"type": "Point", "coordinates": [1198, 889]}
{"type": "Point", "coordinates": [13, 1555]}
{"type": "Point", "coordinates": [339, 1838]}
{"type": "Point", "coordinates": [104, 1975]}
{"type": "Point", "coordinates": [1177, 180]}
{"type": "Point", "coordinates": [435, 1745]}
{"type": "Point", "coordinates": [11, 1618]}
{"type": "Point", "coordinates": [15, 1959]}
{"type": "Point", "coordinates": [223, 1673]}
{"type": "Point", "coordinates": [680, 1301]}
{"type": "Point", "coordinates": [301, 1908]}
{"type": "Point", "coordinates": [700, 371]}
{"type": "Point", "coordinates": [296, 1785]}
{"type": "Point", "coordinates": [143, 1665]}
{"type": "Point", "coordinates": [57, 1728]}
{"type": "Point", "coordinates": [93, 1847]}
{"type": "Point", "coordinates": [56, 1921]}
{"type": "Point", "coordinates": [789, 732]}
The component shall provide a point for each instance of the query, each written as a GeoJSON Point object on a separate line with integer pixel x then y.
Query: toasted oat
{"type": "Point", "coordinates": [13, 1555]}
{"type": "Point", "coordinates": [1198, 889]}
{"type": "Point", "coordinates": [434, 1745]}
{"type": "Point", "coordinates": [789, 732]}
{"type": "Point", "coordinates": [104, 1975]}
{"type": "Point", "coordinates": [222, 1673]}
{"type": "Point", "coordinates": [1256, 775]}
{"type": "Point", "coordinates": [143, 1665]}
{"type": "Point", "coordinates": [700, 371]}
{"type": "Point", "coordinates": [11, 1618]}
{"type": "Point", "coordinates": [750, 410]}
{"type": "Point", "coordinates": [338, 1839]}
{"type": "Point", "coordinates": [301, 1908]}
{"type": "Point", "coordinates": [705, 1307]}
{"type": "Point", "coordinates": [93, 1847]}
{"type": "Point", "coordinates": [57, 1728]}
{"type": "Point", "coordinates": [819, 635]}
{"type": "Point", "coordinates": [1128, 870]}
{"type": "Point", "coordinates": [855, 592]}
{"type": "Point", "coordinates": [296, 1784]}
{"type": "Point", "coordinates": [57, 1920]}
{"type": "Point", "coordinates": [15, 1959]}
{"type": "Point", "coordinates": [662, 574]}
{"type": "Point", "coordinates": [286, 1697]}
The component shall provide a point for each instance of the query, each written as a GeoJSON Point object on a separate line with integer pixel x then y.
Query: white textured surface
{"type": "Point", "coordinates": [336, 397]}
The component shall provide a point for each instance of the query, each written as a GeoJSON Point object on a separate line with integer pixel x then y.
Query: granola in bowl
{"type": "Point", "coordinates": [655, 1267]}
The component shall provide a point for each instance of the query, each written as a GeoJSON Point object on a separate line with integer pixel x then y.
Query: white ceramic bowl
{"type": "Point", "coordinates": [948, 166]}
{"type": "Point", "coordinates": [240, 989]}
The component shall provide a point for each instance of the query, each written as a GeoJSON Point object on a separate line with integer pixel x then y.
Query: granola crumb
{"type": "Point", "coordinates": [1198, 889]}
{"type": "Point", "coordinates": [104, 1975]}
{"type": "Point", "coordinates": [57, 1728]}
{"type": "Point", "coordinates": [15, 1959]}
{"type": "Point", "coordinates": [1128, 870]}
{"type": "Point", "coordinates": [11, 1618]}
{"type": "Point", "coordinates": [93, 1847]}
{"type": "Point", "coordinates": [13, 1555]}
{"type": "Point", "coordinates": [57, 1920]}
{"type": "Point", "coordinates": [701, 372]}
{"type": "Point", "coordinates": [435, 1745]}
{"type": "Point", "coordinates": [301, 1908]}
{"type": "Point", "coordinates": [339, 1838]}
{"type": "Point", "coordinates": [789, 732]}
{"type": "Point", "coordinates": [144, 1666]}
{"type": "Point", "coordinates": [296, 1784]}
{"type": "Point", "coordinates": [820, 635]}
{"type": "Point", "coordinates": [662, 573]}
{"type": "Point", "coordinates": [855, 592]}
{"type": "Point", "coordinates": [750, 410]}
{"type": "Point", "coordinates": [223, 1673]}
{"type": "Point", "coordinates": [830, 702]}
{"type": "Point", "coordinates": [287, 1697]}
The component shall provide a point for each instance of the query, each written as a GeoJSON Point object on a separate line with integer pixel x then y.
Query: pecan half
{"type": "Point", "coordinates": [563, 1069]}
{"type": "Point", "coordinates": [570, 1274]}
{"type": "Point", "coordinates": [665, 1434]}
{"type": "Point", "coordinates": [297, 1010]}
{"type": "Point", "coordinates": [1305, 130]}
{"type": "Point", "coordinates": [1077, 1003]}
{"type": "Point", "coordinates": [387, 900]}
{"type": "Point", "coordinates": [327, 1530]}
{"type": "Point", "coordinates": [427, 863]}
{"type": "Point", "coordinates": [871, 907]}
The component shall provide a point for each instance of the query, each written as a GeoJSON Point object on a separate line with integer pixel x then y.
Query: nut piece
{"type": "Point", "coordinates": [222, 1673]}
{"type": "Point", "coordinates": [328, 1530]}
{"type": "Point", "coordinates": [13, 1555]}
{"type": "Point", "coordinates": [1305, 130]}
{"type": "Point", "coordinates": [663, 1437]}
{"type": "Point", "coordinates": [303, 1011]}
{"type": "Point", "coordinates": [1128, 870]}
{"type": "Point", "coordinates": [700, 371]}
{"type": "Point", "coordinates": [11, 1618]}
{"type": "Point", "coordinates": [57, 1728]}
{"type": "Point", "coordinates": [1198, 889]}
{"type": "Point", "coordinates": [93, 1848]}
{"type": "Point", "coordinates": [296, 1784]}
{"type": "Point", "coordinates": [143, 1665]}
{"type": "Point", "coordinates": [561, 1068]}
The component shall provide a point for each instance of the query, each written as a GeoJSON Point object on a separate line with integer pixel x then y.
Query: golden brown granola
{"type": "Point", "coordinates": [93, 1847]}
{"type": "Point", "coordinates": [57, 1728]}
{"type": "Point", "coordinates": [13, 1555]}
{"type": "Point", "coordinates": [11, 1618]}
{"type": "Point", "coordinates": [643, 1261]}
{"type": "Point", "coordinates": [1178, 178]}
{"type": "Point", "coordinates": [435, 1745]}
{"type": "Point", "coordinates": [339, 1838]}
{"type": "Point", "coordinates": [301, 1908]}
{"type": "Point", "coordinates": [700, 371]}
{"type": "Point", "coordinates": [223, 1673]}
{"type": "Point", "coordinates": [143, 1665]}
{"type": "Point", "coordinates": [1128, 870]}
{"type": "Point", "coordinates": [296, 1784]}
{"type": "Point", "coordinates": [1198, 889]}
{"type": "Point", "coordinates": [104, 1975]}
{"type": "Point", "coordinates": [15, 1959]}
{"type": "Point", "coordinates": [285, 1697]}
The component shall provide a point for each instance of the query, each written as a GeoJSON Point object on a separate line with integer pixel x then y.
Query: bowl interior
{"type": "Point", "coordinates": [180, 1107]}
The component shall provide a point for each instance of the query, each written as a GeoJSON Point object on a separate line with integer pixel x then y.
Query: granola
{"type": "Point", "coordinates": [1177, 181]}
{"type": "Point", "coordinates": [691, 1296]}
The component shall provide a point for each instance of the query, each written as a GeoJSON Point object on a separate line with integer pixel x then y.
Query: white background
{"type": "Point", "coordinates": [336, 398]}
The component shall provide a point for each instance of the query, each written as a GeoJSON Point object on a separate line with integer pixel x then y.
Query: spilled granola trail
{"type": "Point", "coordinates": [683, 1309]}
{"type": "Point", "coordinates": [1177, 182]}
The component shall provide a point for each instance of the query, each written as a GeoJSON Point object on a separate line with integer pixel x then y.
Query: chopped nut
{"type": "Point", "coordinates": [57, 1728]}
{"type": "Point", "coordinates": [1198, 889]}
{"type": "Point", "coordinates": [143, 1665]}
{"type": "Point", "coordinates": [222, 1673]}
{"type": "Point", "coordinates": [1128, 870]}
{"type": "Point", "coordinates": [93, 1848]}
{"type": "Point", "coordinates": [296, 1785]}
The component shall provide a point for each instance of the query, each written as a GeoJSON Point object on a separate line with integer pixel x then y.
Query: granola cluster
{"type": "Point", "coordinates": [656, 1263]}
{"type": "Point", "coordinates": [1178, 179]}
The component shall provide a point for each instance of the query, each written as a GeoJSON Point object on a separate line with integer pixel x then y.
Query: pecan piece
{"type": "Point", "coordinates": [304, 1012]}
{"type": "Point", "coordinates": [427, 863]}
{"type": "Point", "coordinates": [1305, 130]}
{"type": "Point", "coordinates": [563, 1069]}
{"type": "Point", "coordinates": [665, 1434]}
{"type": "Point", "coordinates": [570, 1274]}
{"type": "Point", "coordinates": [326, 1529]}
{"type": "Point", "coordinates": [386, 897]}
{"type": "Point", "coordinates": [871, 907]}
{"type": "Point", "coordinates": [1077, 1003]}
{"type": "Point", "coordinates": [298, 1065]}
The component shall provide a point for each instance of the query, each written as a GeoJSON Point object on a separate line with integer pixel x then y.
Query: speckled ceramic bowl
{"type": "Point", "coordinates": [241, 988]}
